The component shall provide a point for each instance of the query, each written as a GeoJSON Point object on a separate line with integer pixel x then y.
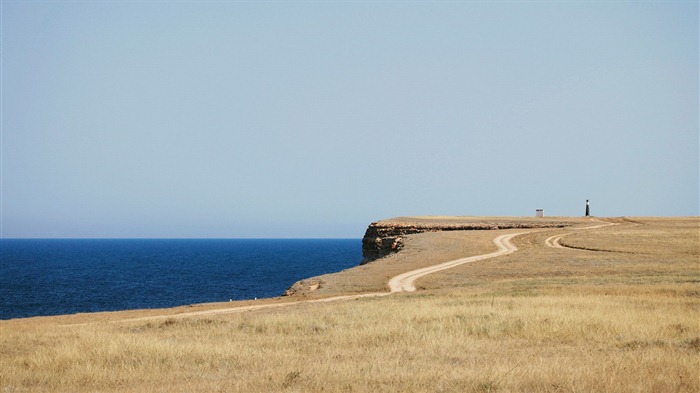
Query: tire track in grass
{"type": "Point", "coordinates": [554, 241]}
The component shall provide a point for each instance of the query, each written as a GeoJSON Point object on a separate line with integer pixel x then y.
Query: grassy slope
{"type": "Point", "coordinates": [540, 319]}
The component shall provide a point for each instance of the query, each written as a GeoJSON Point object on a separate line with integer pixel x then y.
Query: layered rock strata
{"type": "Point", "coordinates": [386, 237]}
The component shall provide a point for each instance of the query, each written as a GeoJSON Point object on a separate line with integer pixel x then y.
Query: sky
{"type": "Point", "coordinates": [313, 119]}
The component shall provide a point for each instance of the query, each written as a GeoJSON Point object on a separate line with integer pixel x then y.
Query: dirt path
{"type": "Point", "coordinates": [233, 310]}
{"type": "Point", "coordinates": [404, 281]}
{"type": "Point", "coordinates": [553, 241]}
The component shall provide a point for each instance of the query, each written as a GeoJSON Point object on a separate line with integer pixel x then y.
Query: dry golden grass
{"type": "Point", "coordinates": [541, 319]}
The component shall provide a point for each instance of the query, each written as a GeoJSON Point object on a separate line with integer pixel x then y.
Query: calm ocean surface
{"type": "Point", "coordinates": [64, 276]}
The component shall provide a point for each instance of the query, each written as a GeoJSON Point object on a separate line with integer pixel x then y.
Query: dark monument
{"type": "Point", "coordinates": [588, 209]}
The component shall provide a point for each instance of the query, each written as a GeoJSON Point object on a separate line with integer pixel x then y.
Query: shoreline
{"type": "Point", "coordinates": [356, 280]}
{"type": "Point", "coordinates": [362, 279]}
{"type": "Point", "coordinates": [44, 278]}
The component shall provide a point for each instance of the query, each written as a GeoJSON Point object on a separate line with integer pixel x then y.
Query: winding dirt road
{"type": "Point", "coordinates": [553, 241]}
{"type": "Point", "coordinates": [404, 281]}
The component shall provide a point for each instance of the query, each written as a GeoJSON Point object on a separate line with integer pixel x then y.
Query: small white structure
{"type": "Point", "coordinates": [539, 213]}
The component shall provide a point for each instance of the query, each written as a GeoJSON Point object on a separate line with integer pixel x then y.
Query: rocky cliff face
{"type": "Point", "coordinates": [381, 240]}
{"type": "Point", "coordinates": [385, 237]}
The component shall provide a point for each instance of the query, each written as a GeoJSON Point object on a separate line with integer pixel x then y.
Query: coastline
{"type": "Point", "coordinates": [366, 278]}
{"type": "Point", "coordinates": [425, 241]}
{"type": "Point", "coordinates": [615, 300]}
{"type": "Point", "coordinates": [41, 277]}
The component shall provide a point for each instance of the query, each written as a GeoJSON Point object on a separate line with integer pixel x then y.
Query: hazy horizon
{"type": "Point", "coordinates": [311, 120]}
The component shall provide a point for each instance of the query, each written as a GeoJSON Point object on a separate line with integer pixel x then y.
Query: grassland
{"type": "Point", "coordinates": [619, 312]}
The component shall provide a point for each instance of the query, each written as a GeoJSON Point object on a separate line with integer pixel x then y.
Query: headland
{"type": "Point", "coordinates": [583, 305]}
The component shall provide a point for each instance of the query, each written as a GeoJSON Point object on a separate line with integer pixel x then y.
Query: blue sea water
{"type": "Point", "coordinates": [65, 276]}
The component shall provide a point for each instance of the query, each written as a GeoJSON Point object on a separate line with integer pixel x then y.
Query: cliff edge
{"type": "Point", "coordinates": [386, 236]}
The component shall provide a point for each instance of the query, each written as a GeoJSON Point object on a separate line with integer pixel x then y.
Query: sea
{"type": "Point", "coordinates": [41, 277]}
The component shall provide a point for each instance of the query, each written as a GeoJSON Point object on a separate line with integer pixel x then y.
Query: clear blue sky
{"type": "Point", "coordinates": [312, 119]}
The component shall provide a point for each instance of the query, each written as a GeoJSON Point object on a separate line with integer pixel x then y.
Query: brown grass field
{"type": "Point", "coordinates": [618, 312]}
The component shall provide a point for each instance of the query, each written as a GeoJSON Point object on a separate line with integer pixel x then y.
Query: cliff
{"type": "Point", "coordinates": [385, 237]}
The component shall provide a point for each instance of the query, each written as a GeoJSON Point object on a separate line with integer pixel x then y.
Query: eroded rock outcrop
{"type": "Point", "coordinates": [382, 240]}
{"type": "Point", "coordinates": [385, 237]}
{"type": "Point", "coordinates": [304, 286]}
